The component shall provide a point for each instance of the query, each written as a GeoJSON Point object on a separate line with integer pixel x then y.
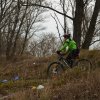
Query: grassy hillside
{"type": "Point", "coordinates": [31, 72]}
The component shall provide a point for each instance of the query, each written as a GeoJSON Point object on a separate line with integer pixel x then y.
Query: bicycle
{"type": "Point", "coordinates": [59, 66]}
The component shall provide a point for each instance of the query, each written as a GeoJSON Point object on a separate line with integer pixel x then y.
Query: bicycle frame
{"type": "Point", "coordinates": [63, 61]}
{"type": "Point", "coordinates": [62, 64]}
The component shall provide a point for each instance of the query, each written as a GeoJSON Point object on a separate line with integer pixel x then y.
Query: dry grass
{"type": "Point", "coordinates": [72, 85]}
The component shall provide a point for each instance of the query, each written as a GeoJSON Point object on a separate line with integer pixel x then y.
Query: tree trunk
{"type": "Point", "coordinates": [64, 16]}
{"type": "Point", "coordinates": [0, 42]}
{"type": "Point", "coordinates": [24, 43]}
{"type": "Point", "coordinates": [18, 33]}
{"type": "Point", "coordinates": [10, 40]}
{"type": "Point", "coordinates": [90, 32]}
{"type": "Point", "coordinates": [77, 22]}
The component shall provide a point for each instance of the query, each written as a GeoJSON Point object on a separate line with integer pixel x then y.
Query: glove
{"type": "Point", "coordinates": [58, 52]}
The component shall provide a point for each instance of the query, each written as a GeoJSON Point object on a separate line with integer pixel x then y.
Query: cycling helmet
{"type": "Point", "coordinates": [66, 35]}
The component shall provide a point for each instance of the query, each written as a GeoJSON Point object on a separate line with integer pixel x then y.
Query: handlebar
{"type": "Point", "coordinates": [61, 56]}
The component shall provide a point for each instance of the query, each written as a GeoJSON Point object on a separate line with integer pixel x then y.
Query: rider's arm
{"type": "Point", "coordinates": [63, 48]}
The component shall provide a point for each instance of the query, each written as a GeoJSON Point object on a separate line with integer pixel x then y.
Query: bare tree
{"type": "Point", "coordinates": [78, 12]}
{"type": "Point", "coordinates": [46, 45]}
{"type": "Point", "coordinates": [18, 22]}
{"type": "Point", "coordinates": [13, 30]}
{"type": "Point", "coordinates": [33, 17]}
{"type": "Point", "coordinates": [4, 16]}
{"type": "Point", "coordinates": [90, 32]}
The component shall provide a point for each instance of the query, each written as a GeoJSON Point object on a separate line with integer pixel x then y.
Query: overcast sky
{"type": "Point", "coordinates": [50, 23]}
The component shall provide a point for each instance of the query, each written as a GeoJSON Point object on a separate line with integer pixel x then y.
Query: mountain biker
{"type": "Point", "coordinates": [72, 49]}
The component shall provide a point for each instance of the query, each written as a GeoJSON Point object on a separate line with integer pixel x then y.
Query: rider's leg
{"type": "Point", "coordinates": [70, 58]}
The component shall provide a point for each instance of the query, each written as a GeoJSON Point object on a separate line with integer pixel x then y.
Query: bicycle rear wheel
{"type": "Point", "coordinates": [54, 70]}
{"type": "Point", "coordinates": [84, 64]}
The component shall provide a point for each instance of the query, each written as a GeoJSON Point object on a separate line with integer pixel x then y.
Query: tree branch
{"type": "Point", "coordinates": [95, 41]}
{"type": "Point", "coordinates": [48, 8]}
{"type": "Point", "coordinates": [57, 28]}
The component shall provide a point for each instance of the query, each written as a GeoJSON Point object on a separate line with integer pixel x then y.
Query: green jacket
{"type": "Point", "coordinates": [71, 44]}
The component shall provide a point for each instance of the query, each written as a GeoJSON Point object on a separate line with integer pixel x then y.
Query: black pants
{"type": "Point", "coordinates": [71, 56]}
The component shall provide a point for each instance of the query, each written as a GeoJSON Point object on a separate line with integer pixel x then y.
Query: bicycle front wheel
{"type": "Point", "coordinates": [84, 64]}
{"type": "Point", "coordinates": [55, 69]}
